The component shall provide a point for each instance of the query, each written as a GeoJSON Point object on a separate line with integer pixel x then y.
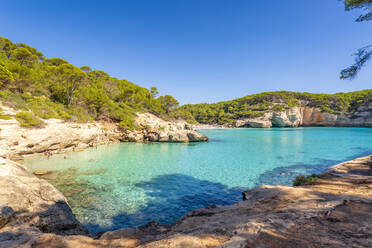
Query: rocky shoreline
{"type": "Point", "coordinates": [335, 211]}
{"type": "Point", "coordinates": [59, 136]}
{"type": "Point", "coordinates": [302, 117]}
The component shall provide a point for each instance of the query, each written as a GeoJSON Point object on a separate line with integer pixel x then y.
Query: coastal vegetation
{"type": "Point", "coordinates": [305, 180]}
{"type": "Point", "coordinates": [257, 105]}
{"type": "Point", "coordinates": [53, 88]}
{"type": "Point", "coordinates": [28, 119]}
{"type": "Point", "coordinates": [44, 88]}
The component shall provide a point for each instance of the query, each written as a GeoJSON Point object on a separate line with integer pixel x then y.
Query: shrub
{"type": "Point", "coordinates": [5, 117]}
{"type": "Point", "coordinates": [278, 108]}
{"type": "Point", "coordinates": [13, 100]}
{"type": "Point", "coordinates": [122, 113]}
{"type": "Point", "coordinates": [81, 115]}
{"type": "Point", "coordinates": [27, 119]}
{"type": "Point", "coordinates": [43, 107]}
{"type": "Point", "coordinates": [305, 180]}
{"type": "Point", "coordinates": [127, 124]}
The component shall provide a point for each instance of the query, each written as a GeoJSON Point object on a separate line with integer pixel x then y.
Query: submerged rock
{"type": "Point", "coordinates": [41, 172]}
{"type": "Point", "coordinates": [93, 172]}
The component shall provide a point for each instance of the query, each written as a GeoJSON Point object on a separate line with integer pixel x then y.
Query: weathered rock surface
{"type": "Point", "coordinates": [336, 211]}
{"type": "Point", "coordinates": [58, 136]}
{"type": "Point", "coordinates": [29, 202]}
{"type": "Point", "coordinates": [314, 117]}
{"type": "Point", "coordinates": [152, 128]}
{"type": "Point", "coordinates": [308, 116]}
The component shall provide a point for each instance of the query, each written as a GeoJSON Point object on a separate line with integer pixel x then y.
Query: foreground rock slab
{"type": "Point", "coordinates": [28, 203]}
{"type": "Point", "coordinates": [336, 211]}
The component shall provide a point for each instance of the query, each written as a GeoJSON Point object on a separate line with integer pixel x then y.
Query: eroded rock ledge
{"type": "Point", "coordinates": [59, 136]}
{"type": "Point", "coordinates": [157, 130]}
{"type": "Point", "coordinates": [334, 212]}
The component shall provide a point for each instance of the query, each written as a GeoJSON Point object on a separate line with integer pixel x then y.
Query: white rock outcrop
{"type": "Point", "coordinates": [308, 116]}
{"type": "Point", "coordinates": [155, 129]}
{"type": "Point", "coordinates": [58, 135]}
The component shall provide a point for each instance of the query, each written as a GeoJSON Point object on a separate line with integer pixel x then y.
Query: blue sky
{"type": "Point", "coordinates": [199, 50]}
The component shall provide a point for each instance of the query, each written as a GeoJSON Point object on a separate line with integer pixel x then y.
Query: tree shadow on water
{"type": "Point", "coordinates": [171, 196]}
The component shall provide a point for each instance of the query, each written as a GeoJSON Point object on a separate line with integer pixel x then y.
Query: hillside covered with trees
{"type": "Point", "coordinates": [53, 88]}
{"type": "Point", "coordinates": [46, 88]}
{"type": "Point", "coordinates": [258, 104]}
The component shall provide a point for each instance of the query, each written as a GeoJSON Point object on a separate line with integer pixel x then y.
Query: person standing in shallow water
{"type": "Point", "coordinates": [48, 154]}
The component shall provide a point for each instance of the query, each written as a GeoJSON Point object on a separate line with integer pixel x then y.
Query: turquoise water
{"type": "Point", "coordinates": [130, 184]}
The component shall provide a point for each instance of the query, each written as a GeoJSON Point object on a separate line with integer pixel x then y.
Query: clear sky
{"type": "Point", "coordinates": [199, 50]}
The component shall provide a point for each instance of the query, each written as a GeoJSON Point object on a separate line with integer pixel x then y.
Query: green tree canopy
{"type": "Point", "coordinates": [24, 56]}
{"type": "Point", "coordinates": [154, 92]}
{"type": "Point", "coordinates": [54, 88]}
{"type": "Point", "coordinates": [257, 105]}
{"type": "Point", "coordinates": [32, 50]}
{"type": "Point", "coordinates": [6, 46]}
{"type": "Point", "coordinates": [5, 75]}
{"type": "Point", "coordinates": [71, 79]}
{"type": "Point", "coordinates": [168, 102]}
{"type": "Point", "coordinates": [55, 61]}
{"type": "Point", "coordinates": [85, 68]}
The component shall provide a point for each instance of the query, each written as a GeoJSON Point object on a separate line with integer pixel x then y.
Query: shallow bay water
{"type": "Point", "coordinates": [130, 184]}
